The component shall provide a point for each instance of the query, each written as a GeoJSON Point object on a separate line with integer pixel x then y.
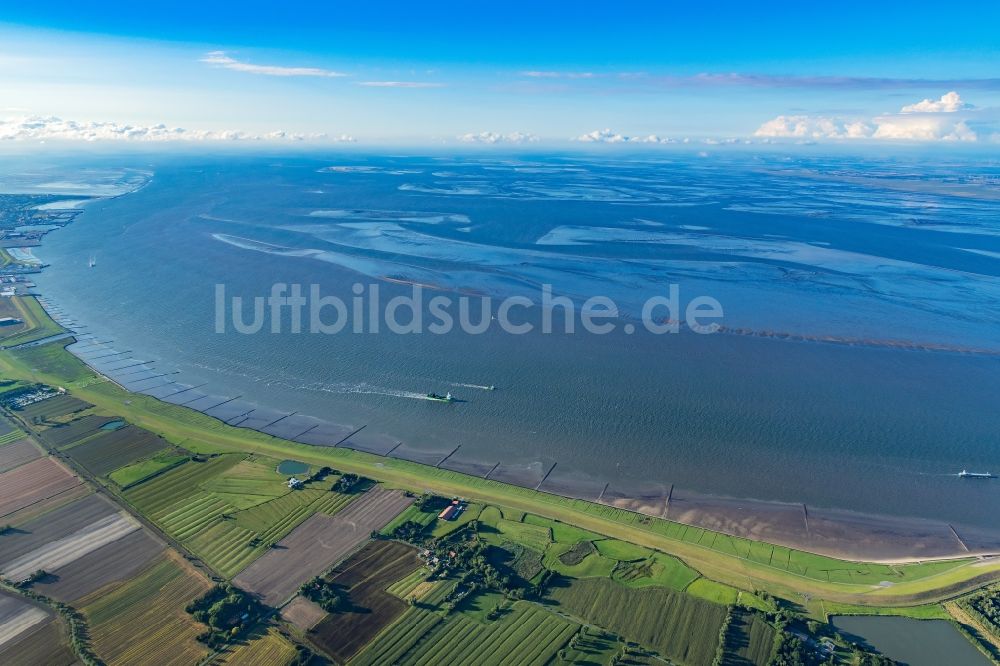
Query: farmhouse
{"type": "Point", "coordinates": [294, 483]}
{"type": "Point", "coordinates": [452, 511]}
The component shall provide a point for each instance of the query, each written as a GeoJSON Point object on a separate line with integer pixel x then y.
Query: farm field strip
{"type": "Point", "coordinates": [31, 482]}
{"type": "Point", "coordinates": [16, 617]}
{"type": "Point", "coordinates": [318, 543]}
{"type": "Point", "coordinates": [303, 613]}
{"type": "Point", "coordinates": [109, 451]}
{"type": "Point", "coordinates": [677, 625]}
{"type": "Point", "coordinates": [529, 635]}
{"type": "Point", "coordinates": [365, 575]}
{"type": "Point", "coordinates": [55, 524]}
{"type": "Point", "coordinates": [18, 453]}
{"type": "Point", "coordinates": [398, 639]}
{"type": "Point", "coordinates": [44, 643]}
{"type": "Point", "coordinates": [168, 488]}
{"type": "Point", "coordinates": [112, 562]}
{"type": "Point", "coordinates": [143, 620]}
{"type": "Point", "coordinates": [53, 407]}
{"type": "Point", "coordinates": [271, 649]}
{"type": "Point", "coordinates": [11, 436]}
{"type": "Point", "coordinates": [68, 549]}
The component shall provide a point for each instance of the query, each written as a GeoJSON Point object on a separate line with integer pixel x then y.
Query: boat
{"type": "Point", "coordinates": [491, 388]}
{"type": "Point", "coordinates": [92, 262]}
{"type": "Point", "coordinates": [440, 398]}
{"type": "Point", "coordinates": [965, 474]}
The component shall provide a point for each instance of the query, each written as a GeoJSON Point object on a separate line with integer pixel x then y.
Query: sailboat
{"type": "Point", "coordinates": [92, 261]}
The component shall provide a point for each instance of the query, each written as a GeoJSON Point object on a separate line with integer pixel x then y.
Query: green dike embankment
{"type": "Point", "coordinates": [805, 574]}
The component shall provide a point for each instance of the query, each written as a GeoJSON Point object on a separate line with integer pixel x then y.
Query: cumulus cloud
{"type": "Point", "coordinates": [494, 137]}
{"type": "Point", "coordinates": [44, 128]}
{"type": "Point", "coordinates": [949, 103]}
{"type": "Point", "coordinates": [608, 136]}
{"type": "Point", "coordinates": [220, 59]}
{"type": "Point", "coordinates": [400, 84]}
{"type": "Point", "coordinates": [927, 120]}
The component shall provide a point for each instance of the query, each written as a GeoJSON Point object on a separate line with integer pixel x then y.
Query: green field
{"type": "Point", "coordinates": [225, 518]}
{"type": "Point", "coordinates": [396, 640]}
{"type": "Point", "coordinates": [675, 624]}
{"type": "Point", "coordinates": [749, 640]}
{"type": "Point", "coordinates": [135, 473]}
{"type": "Point", "coordinates": [38, 325]}
{"type": "Point", "coordinates": [527, 634]}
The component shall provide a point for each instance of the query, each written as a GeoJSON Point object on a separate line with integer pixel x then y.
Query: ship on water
{"type": "Point", "coordinates": [965, 474]}
{"type": "Point", "coordinates": [440, 398]}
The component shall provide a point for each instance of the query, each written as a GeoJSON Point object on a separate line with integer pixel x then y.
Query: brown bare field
{"type": "Point", "coordinates": [113, 562]}
{"type": "Point", "coordinates": [17, 616]}
{"type": "Point", "coordinates": [109, 451]}
{"type": "Point", "coordinates": [365, 574]}
{"type": "Point", "coordinates": [318, 543]}
{"type": "Point", "coordinates": [303, 613]}
{"type": "Point", "coordinates": [45, 643]}
{"type": "Point", "coordinates": [30, 513]}
{"type": "Point", "coordinates": [58, 553]}
{"type": "Point", "coordinates": [142, 621]}
{"type": "Point", "coordinates": [33, 482]}
{"type": "Point", "coordinates": [18, 453]}
{"type": "Point", "coordinates": [53, 525]}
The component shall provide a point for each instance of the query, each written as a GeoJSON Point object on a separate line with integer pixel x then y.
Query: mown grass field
{"type": "Point", "coordinates": [143, 620]}
{"type": "Point", "coordinates": [677, 625]}
{"type": "Point", "coordinates": [749, 640]}
{"type": "Point", "coordinates": [397, 640]}
{"type": "Point", "coordinates": [37, 324]}
{"type": "Point", "coordinates": [527, 634]}
{"type": "Point", "coordinates": [731, 560]}
{"type": "Point", "coordinates": [136, 473]}
{"type": "Point", "coordinates": [226, 519]}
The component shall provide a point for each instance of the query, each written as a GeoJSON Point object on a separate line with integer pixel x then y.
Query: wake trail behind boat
{"type": "Point", "coordinates": [472, 386]}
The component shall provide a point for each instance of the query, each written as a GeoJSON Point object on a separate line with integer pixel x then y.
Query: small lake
{"type": "Point", "coordinates": [292, 467]}
{"type": "Point", "coordinates": [113, 425]}
{"type": "Point", "coordinates": [912, 642]}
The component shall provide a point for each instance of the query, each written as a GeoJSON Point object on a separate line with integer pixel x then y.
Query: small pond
{"type": "Point", "coordinates": [292, 467]}
{"type": "Point", "coordinates": [113, 425]}
{"type": "Point", "coordinates": [912, 642]}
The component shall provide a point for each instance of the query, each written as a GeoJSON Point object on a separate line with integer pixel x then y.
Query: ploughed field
{"type": "Point", "coordinates": [319, 543]}
{"type": "Point", "coordinates": [364, 577]}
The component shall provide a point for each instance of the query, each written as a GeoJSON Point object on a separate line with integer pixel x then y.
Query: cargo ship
{"type": "Point", "coordinates": [965, 474]}
{"type": "Point", "coordinates": [440, 398]}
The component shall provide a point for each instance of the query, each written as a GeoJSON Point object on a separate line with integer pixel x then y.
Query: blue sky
{"type": "Point", "coordinates": [512, 72]}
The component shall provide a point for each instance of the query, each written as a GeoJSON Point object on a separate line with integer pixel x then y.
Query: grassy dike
{"type": "Point", "coordinates": [919, 583]}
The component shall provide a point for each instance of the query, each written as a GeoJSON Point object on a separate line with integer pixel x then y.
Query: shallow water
{"type": "Point", "coordinates": [912, 642]}
{"type": "Point", "coordinates": [862, 426]}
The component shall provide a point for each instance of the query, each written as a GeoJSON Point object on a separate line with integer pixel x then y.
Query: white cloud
{"type": "Point", "coordinates": [400, 84]}
{"type": "Point", "coordinates": [39, 128]}
{"type": "Point", "coordinates": [927, 120]}
{"type": "Point", "coordinates": [922, 128]}
{"type": "Point", "coordinates": [607, 136]}
{"type": "Point", "coordinates": [494, 137]}
{"type": "Point", "coordinates": [536, 74]}
{"type": "Point", "coordinates": [949, 103]}
{"type": "Point", "coordinates": [220, 59]}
